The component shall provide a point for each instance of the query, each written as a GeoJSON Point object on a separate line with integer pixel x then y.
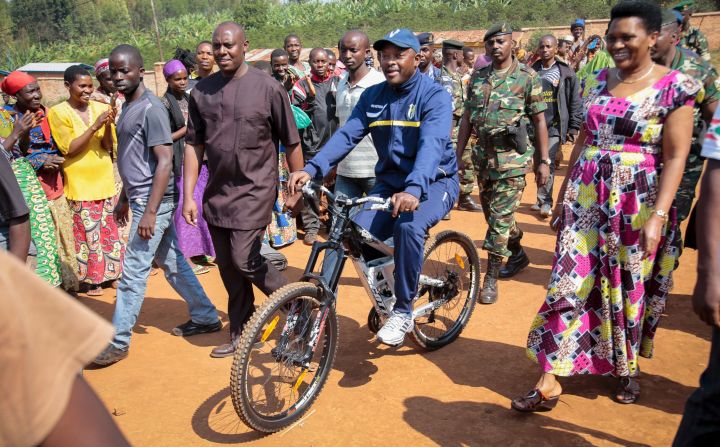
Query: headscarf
{"type": "Point", "coordinates": [15, 81]}
{"type": "Point", "coordinates": [102, 66]}
{"type": "Point", "coordinates": [482, 61]}
{"type": "Point", "coordinates": [173, 66]}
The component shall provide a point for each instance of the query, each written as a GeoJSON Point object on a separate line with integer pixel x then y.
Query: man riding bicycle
{"type": "Point", "coordinates": [409, 117]}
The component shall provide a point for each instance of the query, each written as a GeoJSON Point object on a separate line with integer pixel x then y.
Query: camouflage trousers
{"type": "Point", "coordinates": [467, 174]}
{"type": "Point", "coordinates": [500, 199]}
{"type": "Point", "coordinates": [686, 191]}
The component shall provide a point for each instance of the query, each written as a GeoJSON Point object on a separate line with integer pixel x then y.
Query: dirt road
{"type": "Point", "coordinates": [169, 392]}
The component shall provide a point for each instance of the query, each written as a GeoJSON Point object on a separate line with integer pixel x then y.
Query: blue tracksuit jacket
{"type": "Point", "coordinates": [410, 126]}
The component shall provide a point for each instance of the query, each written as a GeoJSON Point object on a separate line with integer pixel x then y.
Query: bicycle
{"type": "Point", "coordinates": [288, 347]}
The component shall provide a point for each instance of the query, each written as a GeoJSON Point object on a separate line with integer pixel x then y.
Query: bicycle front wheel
{"type": "Point", "coordinates": [451, 273]}
{"type": "Point", "coordinates": [283, 358]}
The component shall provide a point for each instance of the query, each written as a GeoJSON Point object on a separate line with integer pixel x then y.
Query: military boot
{"type": "Point", "coordinates": [489, 293]}
{"type": "Point", "coordinates": [466, 203]}
{"type": "Point", "coordinates": [518, 259]}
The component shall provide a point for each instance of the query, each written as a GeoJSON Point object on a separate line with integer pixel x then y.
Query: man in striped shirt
{"type": "Point", "coordinates": [355, 173]}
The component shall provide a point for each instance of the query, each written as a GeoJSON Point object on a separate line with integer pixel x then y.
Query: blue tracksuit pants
{"type": "Point", "coordinates": [408, 231]}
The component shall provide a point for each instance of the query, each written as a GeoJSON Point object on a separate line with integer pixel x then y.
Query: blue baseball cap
{"type": "Point", "coordinates": [578, 22]}
{"type": "Point", "coordinates": [401, 37]}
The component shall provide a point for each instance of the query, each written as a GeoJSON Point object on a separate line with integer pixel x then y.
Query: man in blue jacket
{"type": "Point", "coordinates": [409, 117]}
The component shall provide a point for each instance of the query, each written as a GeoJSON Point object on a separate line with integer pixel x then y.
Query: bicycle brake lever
{"type": "Point", "coordinates": [385, 206]}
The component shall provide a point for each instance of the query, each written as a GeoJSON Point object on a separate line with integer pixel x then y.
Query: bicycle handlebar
{"type": "Point", "coordinates": [378, 203]}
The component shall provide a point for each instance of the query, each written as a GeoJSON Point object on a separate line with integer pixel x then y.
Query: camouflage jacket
{"type": "Point", "coordinates": [694, 40]}
{"type": "Point", "coordinates": [452, 82]}
{"type": "Point", "coordinates": [497, 102]}
{"type": "Point", "coordinates": [689, 63]}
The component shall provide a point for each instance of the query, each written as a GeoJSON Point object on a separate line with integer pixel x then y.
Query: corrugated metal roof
{"type": "Point", "coordinates": [263, 54]}
{"type": "Point", "coordinates": [51, 67]}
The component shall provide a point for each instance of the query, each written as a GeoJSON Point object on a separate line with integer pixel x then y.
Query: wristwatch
{"type": "Point", "coordinates": [661, 214]}
{"type": "Point", "coordinates": [547, 161]}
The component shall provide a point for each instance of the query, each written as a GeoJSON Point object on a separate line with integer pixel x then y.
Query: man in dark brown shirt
{"type": "Point", "coordinates": [237, 117]}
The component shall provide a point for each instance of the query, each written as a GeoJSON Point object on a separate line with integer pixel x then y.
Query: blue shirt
{"type": "Point", "coordinates": [410, 126]}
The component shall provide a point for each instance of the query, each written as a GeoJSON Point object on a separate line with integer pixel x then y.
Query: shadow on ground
{"type": "Point", "coordinates": [162, 314]}
{"type": "Point", "coordinates": [477, 423]}
{"type": "Point", "coordinates": [505, 369]}
{"type": "Point", "coordinates": [679, 316]}
{"type": "Point", "coordinates": [215, 420]}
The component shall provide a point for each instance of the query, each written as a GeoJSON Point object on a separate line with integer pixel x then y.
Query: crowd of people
{"type": "Point", "coordinates": [106, 187]}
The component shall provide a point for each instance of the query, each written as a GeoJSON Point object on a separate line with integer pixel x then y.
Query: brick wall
{"type": "Point", "coordinates": [708, 22]}
{"type": "Point", "coordinates": [54, 91]}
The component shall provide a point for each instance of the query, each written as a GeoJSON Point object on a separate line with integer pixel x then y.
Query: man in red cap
{"type": "Point", "coordinates": [31, 137]}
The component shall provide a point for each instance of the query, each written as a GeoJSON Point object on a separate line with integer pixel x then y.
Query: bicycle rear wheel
{"type": "Point", "coordinates": [276, 375]}
{"type": "Point", "coordinates": [451, 258]}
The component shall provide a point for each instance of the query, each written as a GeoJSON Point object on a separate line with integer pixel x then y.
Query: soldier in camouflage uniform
{"type": "Point", "coordinates": [677, 58]}
{"type": "Point", "coordinates": [692, 38]}
{"type": "Point", "coordinates": [501, 99]}
{"type": "Point", "coordinates": [452, 81]}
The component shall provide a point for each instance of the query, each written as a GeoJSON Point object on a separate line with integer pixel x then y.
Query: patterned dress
{"type": "Point", "coordinates": [42, 229]}
{"type": "Point", "coordinates": [282, 230]}
{"type": "Point", "coordinates": [604, 301]}
{"type": "Point", "coordinates": [90, 189]}
{"type": "Point", "coordinates": [194, 240]}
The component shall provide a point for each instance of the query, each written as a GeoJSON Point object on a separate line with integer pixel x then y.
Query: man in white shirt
{"type": "Point", "coordinates": [356, 173]}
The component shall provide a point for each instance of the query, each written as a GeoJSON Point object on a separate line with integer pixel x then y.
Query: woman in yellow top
{"type": "Point", "coordinates": [83, 131]}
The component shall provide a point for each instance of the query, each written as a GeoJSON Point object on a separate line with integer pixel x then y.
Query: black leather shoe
{"type": "Point", "coordinates": [515, 264]}
{"type": "Point", "coordinates": [110, 355]}
{"type": "Point", "coordinates": [466, 203]}
{"type": "Point", "coordinates": [226, 350]}
{"type": "Point", "coordinates": [190, 328]}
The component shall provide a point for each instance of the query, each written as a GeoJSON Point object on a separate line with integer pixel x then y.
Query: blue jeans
{"type": "Point", "coordinates": [4, 237]}
{"type": "Point", "coordinates": [139, 254]}
{"type": "Point", "coordinates": [354, 187]}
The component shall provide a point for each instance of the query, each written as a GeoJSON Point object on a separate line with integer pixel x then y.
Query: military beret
{"type": "Point", "coordinates": [685, 5]}
{"type": "Point", "coordinates": [426, 38]}
{"type": "Point", "coordinates": [670, 17]}
{"type": "Point", "coordinates": [452, 44]}
{"type": "Point", "coordinates": [497, 30]}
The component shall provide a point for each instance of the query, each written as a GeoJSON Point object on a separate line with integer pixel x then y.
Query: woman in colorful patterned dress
{"type": "Point", "coordinates": [195, 241]}
{"type": "Point", "coordinates": [616, 244]}
{"type": "Point", "coordinates": [84, 134]}
{"type": "Point", "coordinates": [38, 147]}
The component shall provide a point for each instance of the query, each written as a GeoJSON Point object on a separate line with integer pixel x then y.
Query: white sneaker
{"type": "Point", "coordinates": [393, 331]}
{"type": "Point", "coordinates": [546, 210]}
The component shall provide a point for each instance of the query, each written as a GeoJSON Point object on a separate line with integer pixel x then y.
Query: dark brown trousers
{"type": "Point", "coordinates": [241, 266]}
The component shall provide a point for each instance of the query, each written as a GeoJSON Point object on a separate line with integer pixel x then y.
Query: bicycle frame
{"type": "Point", "coordinates": [376, 275]}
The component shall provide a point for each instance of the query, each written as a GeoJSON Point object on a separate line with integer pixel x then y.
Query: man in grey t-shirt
{"type": "Point", "coordinates": [145, 162]}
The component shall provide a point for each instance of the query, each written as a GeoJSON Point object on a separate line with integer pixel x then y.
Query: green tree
{"type": "Point", "coordinates": [44, 20]}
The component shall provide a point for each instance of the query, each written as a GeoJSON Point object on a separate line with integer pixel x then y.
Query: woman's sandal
{"type": "Point", "coordinates": [535, 401]}
{"type": "Point", "coordinates": [200, 269]}
{"type": "Point", "coordinates": [94, 291]}
{"type": "Point", "coordinates": [628, 390]}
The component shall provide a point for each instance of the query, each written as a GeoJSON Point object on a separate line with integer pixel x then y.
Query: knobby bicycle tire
{"type": "Point", "coordinates": [472, 256]}
{"type": "Point", "coordinates": [238, 374]}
